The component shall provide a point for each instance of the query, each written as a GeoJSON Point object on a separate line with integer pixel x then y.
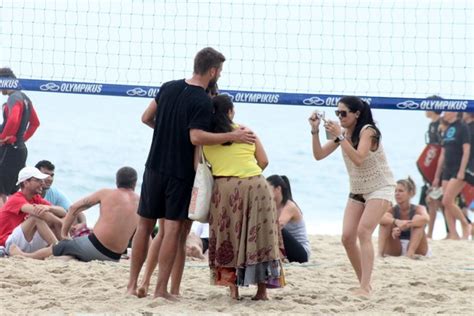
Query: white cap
{"type": "Point", "coordinates": [30, 172]}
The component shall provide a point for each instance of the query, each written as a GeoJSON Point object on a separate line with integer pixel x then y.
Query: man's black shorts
{"type": "Point", "coordinates": [164, 196]}
{"type": "Point", "coordinates": [452, 173]}
{"type": "Point", "coordinates": [12, 160]}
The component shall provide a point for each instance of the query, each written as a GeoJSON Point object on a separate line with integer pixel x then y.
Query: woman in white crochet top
{"type": "Point", "coordinates": [372, 186]}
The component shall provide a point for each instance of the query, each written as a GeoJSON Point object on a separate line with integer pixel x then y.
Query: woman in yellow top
{"type": "Point", "coordinates": [244, 242]}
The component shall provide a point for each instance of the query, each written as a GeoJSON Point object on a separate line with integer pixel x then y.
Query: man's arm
{"type": "Point", "coordinates": [239, 135]}
{"type": "Point", "coordinates": [32, 124]}
{"type": "Point", "coordinates": [57, 210]}
{"type": "Point", "coordinates": [149, 116]}
{"type": "Point", "coordinates": [79, 206]}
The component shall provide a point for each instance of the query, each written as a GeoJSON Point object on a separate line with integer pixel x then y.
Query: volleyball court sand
{"type": "Point", "coordinates": [441, 284]}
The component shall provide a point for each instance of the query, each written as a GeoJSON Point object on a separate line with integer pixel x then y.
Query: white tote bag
{"type": "Point", "coordinates": [202, 192]}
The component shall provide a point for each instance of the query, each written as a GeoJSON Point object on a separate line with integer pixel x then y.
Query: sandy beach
{"type": "Point", "coordinates": [441, 284]}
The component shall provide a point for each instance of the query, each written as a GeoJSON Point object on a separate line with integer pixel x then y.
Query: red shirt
{"type": "Point", "coordinates": [11, 215]}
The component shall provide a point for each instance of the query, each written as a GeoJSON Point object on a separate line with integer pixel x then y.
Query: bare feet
{"type": "Point", "coordinates": [361, 293]}
{"type": "Point", "coordinates": [260, 298]}
{"type": "Point", "coordinates": [261, 293]}
{"type": "Point", "coordinates": [466, 231]}
{"type": "Point", "coordinates": [166, 296]}
{"type": "Point", "coordinates": [15, 251]}
{"type": "Point", "coordinates": [142, 291]}
{"type": "Point", "coordinates": [452, 237]}
{"type": "Point", "coordinates": [132, 291]}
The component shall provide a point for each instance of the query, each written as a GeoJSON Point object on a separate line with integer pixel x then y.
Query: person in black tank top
{"type": "Point", "coordinates": [404, 225]}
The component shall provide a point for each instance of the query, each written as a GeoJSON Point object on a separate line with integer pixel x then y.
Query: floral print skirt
{"type": "Point", "coordinates": [244, 235]}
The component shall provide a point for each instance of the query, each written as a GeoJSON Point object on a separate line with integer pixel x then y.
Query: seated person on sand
{"type": "Point", "coordinates": [402, 229]}
{"type": "Point", "coordinates": [117, 222]}
{"type": "Point", "coordinates": [51, 193]}
{"type": "Point", "coordinates": [290, 218]}
{"type": "Point", "coordinates": [197, 242]}
{"type": "Point", "coordinates": [28, 220]}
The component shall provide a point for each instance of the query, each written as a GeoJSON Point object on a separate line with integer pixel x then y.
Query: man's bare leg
{"type": "Point", "coordinates": [54, 223]}
{"type": "Point", "coordinates": [433, 206]}
{"type": "Point", "coordinates": [152, 259]}
{"type": "Point", "coordinates": [32, 225]}
{"type": "Point", "coordinates": [178, 267]}
{"type": "Point", "coordinates": [139, 251]}
{"type": "Point", "coordinates": [167, 257]}
{"type": "Point", "coordinates": [39, 254]}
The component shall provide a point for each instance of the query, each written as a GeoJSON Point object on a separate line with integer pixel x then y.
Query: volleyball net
{"type": "Point", "coordinates": [394, 54]}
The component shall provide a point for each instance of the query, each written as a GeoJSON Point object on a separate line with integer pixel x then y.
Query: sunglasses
{"type": "Point", "coordinates": [341, 113]}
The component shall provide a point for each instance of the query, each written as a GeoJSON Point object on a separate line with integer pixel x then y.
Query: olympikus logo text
{"type": "Point", "coordinates": [443, 105]}
{"type": "Point", "coordinates": [72, 87]}
{"type": "Point", "coordinates": [8, 83]}
{"type": "Point", "coordinates": [329, 101]}
{"type": "Point", "coordinates": [256, 97]}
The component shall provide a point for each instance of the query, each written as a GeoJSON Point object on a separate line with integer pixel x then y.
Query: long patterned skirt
{"type": "Point", "coordinates": [244, 236]}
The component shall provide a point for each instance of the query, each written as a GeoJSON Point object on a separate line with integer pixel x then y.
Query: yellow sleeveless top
{"type": "Point", "coordinates": [236, 160]}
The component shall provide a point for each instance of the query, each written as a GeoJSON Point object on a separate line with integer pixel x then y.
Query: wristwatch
{"type": "Point", "coordinates": [339, 138]}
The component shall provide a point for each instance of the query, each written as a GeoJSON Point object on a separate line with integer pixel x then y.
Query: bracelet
{"type": "Point", "coordinates": [314, 132]}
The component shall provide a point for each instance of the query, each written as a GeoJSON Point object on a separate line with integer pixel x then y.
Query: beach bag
{"type": "Point", "coordinates": [428, 161]}
{"type": "Point", "coordinates": [201, 193]}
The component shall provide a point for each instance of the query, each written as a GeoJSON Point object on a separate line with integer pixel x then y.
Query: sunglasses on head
{"type": "Point", "coordinates": [341, 113]}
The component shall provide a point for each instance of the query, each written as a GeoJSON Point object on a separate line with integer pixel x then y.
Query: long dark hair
{"type": "Point", "coordinates": [221, 122]}
{"type": "Point", "coordinates": [355, 104]}
{"type": "Point", "coordinates": [282, 182]}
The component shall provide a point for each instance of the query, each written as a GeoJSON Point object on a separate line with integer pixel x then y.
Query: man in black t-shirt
{"type": "Point", "coordinates": [183, 118]}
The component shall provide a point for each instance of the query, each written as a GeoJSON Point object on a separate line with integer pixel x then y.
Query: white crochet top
{"type": "Point", "coordinates": [372, 175]}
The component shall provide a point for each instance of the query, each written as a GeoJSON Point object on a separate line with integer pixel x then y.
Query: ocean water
{"type": "Point", "coordinates": [89, 137]}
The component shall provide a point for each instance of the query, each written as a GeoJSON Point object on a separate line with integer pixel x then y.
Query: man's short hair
{"type": "Point", "coordinates": [46, 164]}
{"type": "Point", "coordinates": [6, 72]}
{"type": "Point", "coordinates": [435, 97]}
{"type": "Point", "coordinates": [126, 177]}
{"type": "Point", "coordinates": [206, 59]}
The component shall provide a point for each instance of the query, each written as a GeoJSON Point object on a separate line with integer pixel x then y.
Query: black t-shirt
{"type": "Point", "coordinates": [432, 135]}
{"type": "Point", "coordinates": [454, 137]}
{"type": "Point", "coordinates": [181, 107]}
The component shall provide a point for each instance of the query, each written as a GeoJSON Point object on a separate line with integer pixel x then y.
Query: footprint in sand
{"type": "Point", "coordinates": [437, 297]}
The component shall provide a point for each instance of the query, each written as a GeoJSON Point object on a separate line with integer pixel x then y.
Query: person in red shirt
{"type": "Point", "coordinates": [28, 220]}
{"type": "Point", "coordinates": [20, 122]}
